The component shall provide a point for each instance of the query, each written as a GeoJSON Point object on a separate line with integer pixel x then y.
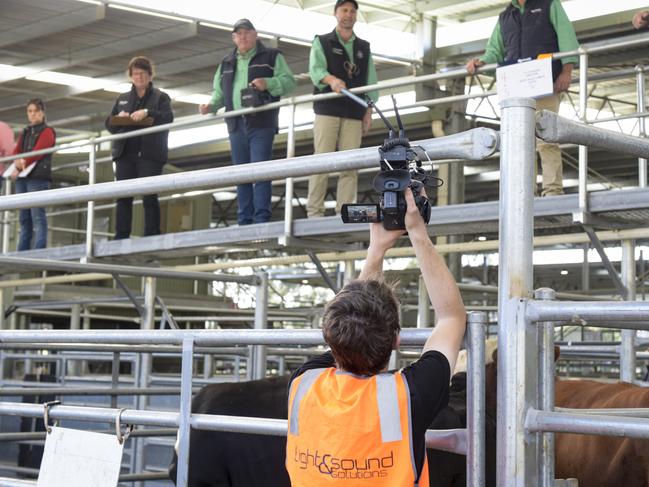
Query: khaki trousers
{"type": "Point", "coordinates": [331, 134]}
{"type": "Point", "coordinates": [551, 163]}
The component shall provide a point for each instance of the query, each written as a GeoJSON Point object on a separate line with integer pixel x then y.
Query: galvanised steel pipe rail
{"type": "Point", "coordinates": [587, 313]}
{"type": "Point", "coordinates": [556, 129]}
{"type": "Point", "coordinates": [587, 424]}
{"type": "Point", "coordinates": [91, 391]}
{"type": "Point", "coordinates": [631, 41]}
{"type": "Point", "coordinates": [474, 144]}
{"type": "Point", "coordinates": [22, 263]}
{"type": "Point", "coordinates": [155, 349]}
{"type": "Point", "coordinates": [409, 336]}
{"type": "Point", "coordinates": [449, 440]}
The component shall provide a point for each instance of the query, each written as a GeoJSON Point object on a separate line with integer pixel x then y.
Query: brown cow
{"type": "Point", "coordinates": [601, 461]}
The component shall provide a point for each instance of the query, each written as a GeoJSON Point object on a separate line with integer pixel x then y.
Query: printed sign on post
{"type": "Point", "coordinates": [74, 458]}
{"type": "Point", "coordinates": [529, 79]}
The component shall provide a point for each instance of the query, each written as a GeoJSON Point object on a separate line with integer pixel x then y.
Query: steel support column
{"type": "Point", "coordinates": [261, 323]}
{"type": "Point", "coordinates": [640, 85]}
{"type": "Point", "coordinates": [518, 358]}
{"type": "Point", "coordinates": [423, 306]}
{"type": "Point", "coordinates": [546, 391]}
{"type": "Point", "coordinates": [627, 349]}
{"type": "Point", "coordinates": [90, 216]}
{"type": "Point", "coordinates": [475, 419]}
{"type": "Point", "coordinates": [583, 150]}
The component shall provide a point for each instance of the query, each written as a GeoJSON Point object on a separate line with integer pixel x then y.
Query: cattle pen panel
{"type": "Point", "coordinates": [469, 441]}
{"type": "Point", "coordinates": [525, 385]}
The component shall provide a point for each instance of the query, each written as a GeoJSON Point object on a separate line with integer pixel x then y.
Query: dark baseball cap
{"type": "Point", "coordinates": [243, 24]}
{"type": "Point", "coordinates": [341, 2]}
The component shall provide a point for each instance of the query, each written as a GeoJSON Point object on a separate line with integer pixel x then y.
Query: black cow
{"type": "Point", "coordinates": [220, 459]}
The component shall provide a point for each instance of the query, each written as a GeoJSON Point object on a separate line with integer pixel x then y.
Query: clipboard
{"type": "Point", "coordinates": [129, 122]}
{"type": "Point", "coordinates": [25, 172]}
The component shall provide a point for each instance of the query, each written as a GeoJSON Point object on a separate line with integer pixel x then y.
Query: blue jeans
{"type": "Point", "coordinates": [32, 220]}
{"type": "Point", "coordinates": [252, 145]}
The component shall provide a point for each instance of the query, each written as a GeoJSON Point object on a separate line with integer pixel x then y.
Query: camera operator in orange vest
{"type": "Point", "coordinates": [351, 422]}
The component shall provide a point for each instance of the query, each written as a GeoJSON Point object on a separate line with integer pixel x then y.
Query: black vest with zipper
{"type": "Point", "coordinates": [262, 65]}
{"type": "Point", "coordinates": [529, 34]}
{"type": "Point", "coordinates": [29, 137]}
{"type": "Point", "coordinates": [336, 59]}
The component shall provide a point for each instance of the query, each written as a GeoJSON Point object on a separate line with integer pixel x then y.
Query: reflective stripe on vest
{"type": "Point", "coordinates": [350, 430]}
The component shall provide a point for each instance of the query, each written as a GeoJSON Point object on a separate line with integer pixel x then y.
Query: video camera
{"type": "Point", "coordinates": [401, 168]}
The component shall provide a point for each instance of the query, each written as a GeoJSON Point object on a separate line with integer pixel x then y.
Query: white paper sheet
{"type": "Point", "coordinates": [529, 79]}
{"type": "Point", "coordinates": [74, 458]}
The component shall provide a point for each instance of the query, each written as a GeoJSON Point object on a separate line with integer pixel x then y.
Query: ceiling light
{"type": "Point", "coordinates": [149, 12]}
{"type": "Point", "coordinates": [73, 80]}
{"type": "Point", "coordinates": [297, 42]}
{"type": "Point", "coordinates": [564, 272]}
{"type": "Point", "coordinates": [216, 26]}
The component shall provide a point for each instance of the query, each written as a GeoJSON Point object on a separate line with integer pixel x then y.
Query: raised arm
{"type": "Point", "coordinates": [381, 240]}
{"type": "Point", "coordinates": [443, 291]}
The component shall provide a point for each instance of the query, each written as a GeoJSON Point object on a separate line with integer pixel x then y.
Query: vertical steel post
{"type": "Point", "coordinates": [184, 428]}
{"type": "Point", "coordinates": [583, 150]}
{"type": "Point", "coordinates": [6, 226]}
{"type": "Point", "coordinates": [546, 390]}
{"type": "Point", "coordinates": [290, 152]}
{"type": "Point", "coordinates": [518, 355]}
{"type": "Point", "coordinates": [585, 269]}
{"type": "Point", "coordinates": [640, 85]}
{"type": "Point", "coordinates": [475, 400]}
{"type": "Point", "coordinates": [350, 271]}
{"type": "Point", "coordinates": [627, 348]}
{"type": "Point", "coordinates": [114, 379]}
{"type": "Point", "coordinates": [75, 324]}
{"type": "Point", "coordinates": [5, 294]}
{"type": "Point", "coordinates": [147, 323]}
{"type": "Point", "coordinates": [423, 305]}
{"type": "Point", "coordinates": [90, 217]}
{"type": "Point", "coordinates": [261, 323]}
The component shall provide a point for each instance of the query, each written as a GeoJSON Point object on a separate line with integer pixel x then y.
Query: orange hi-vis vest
{"type": "Point", "coordinates": [347, 430]}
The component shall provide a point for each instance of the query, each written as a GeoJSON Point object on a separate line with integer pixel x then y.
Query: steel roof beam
{"type": "Point", "coordinates": [53, 24]}
{"type": "Point", "coordinates": [112, 49]}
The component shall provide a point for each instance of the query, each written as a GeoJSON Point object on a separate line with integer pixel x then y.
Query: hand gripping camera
{"type": "Point", "coordinates": [401, 168]}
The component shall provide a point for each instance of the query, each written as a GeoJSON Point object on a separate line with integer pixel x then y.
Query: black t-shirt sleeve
{"type": "Point", "coordinates": [429, 381]}
{"type": "Point", "coordinates": [323, 361]}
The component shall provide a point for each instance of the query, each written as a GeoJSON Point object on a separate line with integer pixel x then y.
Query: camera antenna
{"type": "Point", "coordinates": [368, 103]}
{"type": "Point", "coordinates": [402, 131]}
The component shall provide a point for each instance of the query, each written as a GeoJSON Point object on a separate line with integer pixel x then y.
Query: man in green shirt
{"type": "Point", "coordinates": [251, 64]}
{"type": "Point", "coordinates": [339, 60]}
{"type": "Point", "coordinates": [527, 29]}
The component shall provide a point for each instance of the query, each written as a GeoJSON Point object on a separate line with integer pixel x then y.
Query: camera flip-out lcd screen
{"type": "Point", "coordinates": [360, 213]}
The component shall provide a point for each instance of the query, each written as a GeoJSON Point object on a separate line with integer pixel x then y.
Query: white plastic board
{"type": "Point", "coordinates": [74, 458]}
{"type": "Point", "coordinates": [529, 79]}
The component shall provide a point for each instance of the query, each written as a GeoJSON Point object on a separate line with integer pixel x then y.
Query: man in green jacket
{"type": "Point", "coordinates": [251, 65]}
{"type": "Point", "coordinates": [526, 29]}
{"type": "Point", "coordinates": [339, 60]}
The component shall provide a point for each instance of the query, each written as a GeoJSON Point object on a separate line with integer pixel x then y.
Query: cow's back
{"type": "Point", "coordinates": [601, 461]}
{"type": "Point", "coordinates": [221, 459]}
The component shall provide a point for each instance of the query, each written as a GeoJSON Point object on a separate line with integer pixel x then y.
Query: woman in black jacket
{"type": "Point", "coordinates": [143, 155]}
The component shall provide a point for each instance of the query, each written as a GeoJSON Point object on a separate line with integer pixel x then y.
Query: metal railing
{"type": "Point", "coordinates": [470, 441]}
{"type": "Point", "coordinates": [292, 102]}
{"type": "Point", "coordinates": [526, 326]}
